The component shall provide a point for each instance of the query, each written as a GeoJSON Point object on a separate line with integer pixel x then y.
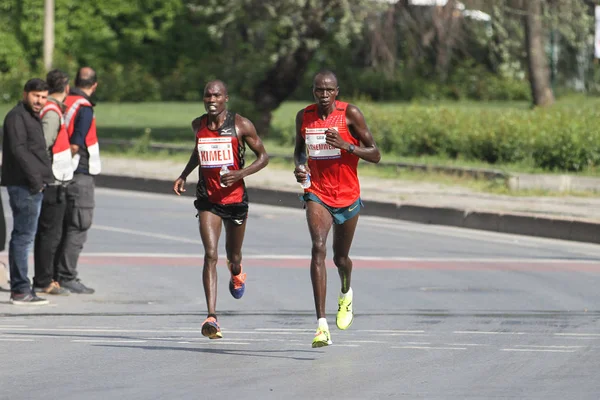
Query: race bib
{"type": "Point", "coordinates": [317, 146]}
{"type": "Point", "coordinates": [215, 152]}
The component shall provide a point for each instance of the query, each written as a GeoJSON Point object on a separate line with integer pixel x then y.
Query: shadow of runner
{"type": "Point", "coordinates": [236, 352]}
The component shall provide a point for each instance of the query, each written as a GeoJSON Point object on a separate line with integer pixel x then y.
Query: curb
{"type": "Point", "coordinates": [520, 224]}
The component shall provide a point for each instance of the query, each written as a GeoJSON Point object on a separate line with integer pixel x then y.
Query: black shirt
{"type": "Point", "coordinates": [25, 161]}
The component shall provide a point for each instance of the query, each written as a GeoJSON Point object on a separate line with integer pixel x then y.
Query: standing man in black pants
{"type": "Point", "coordinates": [81, 127]}
{"type": "Point", "coordinates": [54, 203]}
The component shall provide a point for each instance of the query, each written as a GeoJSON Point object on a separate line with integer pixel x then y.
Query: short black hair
{"type": "Point", "coordinates": [86, 78]}
{"type": "Point", "coordinates": [326, 72]}
{"type": "Point", "coordinates": [57, 81]}
{"type": "Point", "coordinates": [35, 85]}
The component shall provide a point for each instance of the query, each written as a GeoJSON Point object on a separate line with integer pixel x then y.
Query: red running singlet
{"type": "Point", "coordinates": [333, 174]}
{"type": "Point", "coordinates": [215, 149]}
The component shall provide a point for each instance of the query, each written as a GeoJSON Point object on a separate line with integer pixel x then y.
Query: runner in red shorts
{"type": "Point", "coordinates": [221, 197]}
{"type": "Point", "coordinates": [331, 136]}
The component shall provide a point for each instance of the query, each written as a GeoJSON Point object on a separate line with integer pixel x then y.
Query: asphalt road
{"type": "Point", "coordinates": [441, 313]}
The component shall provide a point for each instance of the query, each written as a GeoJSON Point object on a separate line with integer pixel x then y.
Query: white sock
{"type": "Point", "coordinates": [322, 322]}
{"type": "Point", "coordinates": [348, 293]}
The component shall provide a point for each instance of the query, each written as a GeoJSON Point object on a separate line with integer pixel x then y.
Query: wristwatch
{"type": "Point", "coordinates": [351, 149]}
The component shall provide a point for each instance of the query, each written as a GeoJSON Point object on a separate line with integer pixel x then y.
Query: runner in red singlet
{"type": "Point", "coordinates": [330, 138]}
{"type": "Point", "coordinates": [221, 199]}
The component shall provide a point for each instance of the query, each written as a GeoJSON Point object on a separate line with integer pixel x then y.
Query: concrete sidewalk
{"type": "Point", "coordinates": [566, 217]}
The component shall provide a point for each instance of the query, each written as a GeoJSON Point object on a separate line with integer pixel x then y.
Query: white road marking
{"type": "Point", "coordinates": [501, 260]}
{"type": "Point", "coordinates": [15, 340]}
{"type": "Point", "coordinates": [283, 330]}
{"type": "Point", "coordinates": [540, 350]}
{"type": "Point", "coordinates": [549, 347]}
{"type": "Point", "coordinates": [489, 333]}
{"type": "Point", "coordinates": [578, 334]}
{"type": "Point", "coordinates": [428, 348]}
{"type": "Point", "coordinates": [221, 341]}
{"type": "Point", "coordinates": [106, 341]}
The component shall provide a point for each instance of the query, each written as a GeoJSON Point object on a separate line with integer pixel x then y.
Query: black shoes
{"type": "Point", "coordinates": [75, 286]}
{"type": "Point", "coordinates": [27, 299]}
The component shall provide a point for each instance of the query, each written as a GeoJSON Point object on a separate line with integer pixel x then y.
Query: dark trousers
{"type": "Point", "coordinates": [77, 222]}
{"type": "Point", "coordinates": [2, 227]}
{"type": "Point", "coordinates": [48, 236]}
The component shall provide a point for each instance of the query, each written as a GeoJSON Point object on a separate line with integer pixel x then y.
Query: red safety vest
{"type": "Point", "coordinates": [74, 104]}
{"type": "Point", "coordinates": [61, 149]}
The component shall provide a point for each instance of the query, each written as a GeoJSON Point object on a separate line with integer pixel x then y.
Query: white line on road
{"type": "Point", "coordinates": [489, 333]}
{"type": "Point", "coordinates": [106, 341]}
{"type": "Point", "coordinates": [578, 334]}
{"type": "Point", "coordinates": [549, 347]}
{"type": "Point", "coordinates": [428, 348]}
{"type": "Point", "coordinates": [15, 340]}
{"type": "Point", "coordinates": [305, 257]}
{"type": "Point", "coordinates": [540, 350]}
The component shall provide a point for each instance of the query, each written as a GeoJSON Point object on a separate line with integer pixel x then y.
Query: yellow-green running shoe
{"type": "Point", "coordinates": [345, 315]}
{"type": "Point", "coordinates": [322, 338]}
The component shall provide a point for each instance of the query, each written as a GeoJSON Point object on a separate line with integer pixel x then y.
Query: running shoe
{"type": "Point", "coordinates": [237, 284]}
{"type": "Point", "coordinates": [345, 315]}
{"type": "Point", "coordinates": [322, 338]}
{"type": "Point", "coordinates": [211, 329]}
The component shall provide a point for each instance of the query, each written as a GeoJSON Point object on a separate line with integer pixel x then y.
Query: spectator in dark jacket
{"type": "Point", "coordinates": [26, 170]}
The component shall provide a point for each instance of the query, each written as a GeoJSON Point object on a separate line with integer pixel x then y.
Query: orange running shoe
{"type": "Point", "coordinates": [211, 329]}
{"type": "Point", "coordinates": [237, 284]}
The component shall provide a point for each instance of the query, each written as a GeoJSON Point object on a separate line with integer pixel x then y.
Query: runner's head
{"type": "Point", "coordinates": [325, 89]}
{"type": "Point", "coordinates": [215, 97]}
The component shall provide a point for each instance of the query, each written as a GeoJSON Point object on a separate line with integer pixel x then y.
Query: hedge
{"type": "Point", "coordinates": [560, 138]}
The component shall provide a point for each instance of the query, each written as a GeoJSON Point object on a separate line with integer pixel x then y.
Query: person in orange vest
{"type": "Point", "coordinates": [331, 136]}
{"type": "Point", "coordinates": [54, 203]}
{"type": "Point", "coordinates": [80, 123]}
{"type": "Point", "coordinates": [221, 196]}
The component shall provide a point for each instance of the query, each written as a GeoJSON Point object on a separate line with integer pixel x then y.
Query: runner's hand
{"type": "Point", "coordinates": [333, 138]}
{"type": "Point", "coordinates": [179, 186]}
{"type": "Point", "coordinates": [231, 177]}
{"type": "Point", "coordinates": [301, 175]}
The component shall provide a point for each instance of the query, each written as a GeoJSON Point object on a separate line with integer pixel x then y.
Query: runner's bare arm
{"type": "Point", "coordinates": [367, 150]}
{"type": "Point", "coordinates": [300, 157]}
{"type": "Point", "coordinates": [179, 184]}
{"type": "Point", "coordinates": [300, 148]}
{"type": "Point", "coordinates": [247, 133]}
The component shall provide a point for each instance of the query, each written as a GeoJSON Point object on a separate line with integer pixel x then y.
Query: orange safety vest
{"type": "Point", "coordinates": [61, 150]}
{"type": "Point", "coordinates": [74, 104]}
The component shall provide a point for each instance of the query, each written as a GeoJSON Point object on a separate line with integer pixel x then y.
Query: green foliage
{"type": "Point", "coordinates": [563, 138]}
{"type": "Point", "coordinates": [148, 50]}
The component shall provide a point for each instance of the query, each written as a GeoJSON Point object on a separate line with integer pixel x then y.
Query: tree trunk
{"type": "Point", "coordinates": [48, 33]}
{"type": "Point", "coordinates": [281, 80]}
{"type": "Point", "coordinates": [539, 73]}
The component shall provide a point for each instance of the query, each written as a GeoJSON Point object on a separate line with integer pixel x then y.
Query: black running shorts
{"type": "Point", "coordinates": [236, 213]}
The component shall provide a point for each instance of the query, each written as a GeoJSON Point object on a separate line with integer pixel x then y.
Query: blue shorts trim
{"type": "Point", "coordinates": [339, 214]}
